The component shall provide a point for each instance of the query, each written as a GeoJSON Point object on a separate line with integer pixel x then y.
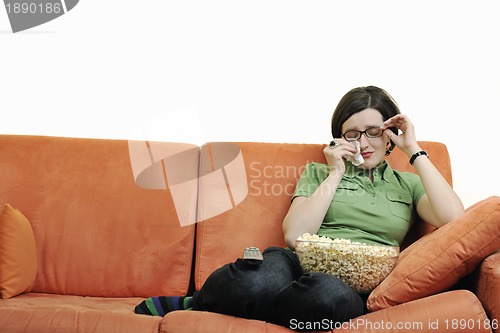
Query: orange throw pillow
{"type": "Point", "coordinates": [437, 261]}
{"type": "Point", "coordinates": [18, 259]}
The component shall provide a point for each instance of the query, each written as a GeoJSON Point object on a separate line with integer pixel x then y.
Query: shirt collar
{"type": "Point", "coordinates": [382, 171]}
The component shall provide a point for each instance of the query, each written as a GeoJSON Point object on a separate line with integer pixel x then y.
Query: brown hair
{"type": "Point", "coordinates": [359, 99]}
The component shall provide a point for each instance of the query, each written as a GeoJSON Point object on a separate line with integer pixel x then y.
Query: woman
{"type": "Point", "coordinates": [369, 203]}
{"type": "Point", "coordinates": [371, 117]}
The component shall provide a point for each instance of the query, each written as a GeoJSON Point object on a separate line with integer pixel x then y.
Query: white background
{"type": "Point", "coordinates": [269, 71]}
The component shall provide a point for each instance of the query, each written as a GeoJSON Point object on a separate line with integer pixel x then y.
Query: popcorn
{"type": "Point", "coordinates": [361, 266]}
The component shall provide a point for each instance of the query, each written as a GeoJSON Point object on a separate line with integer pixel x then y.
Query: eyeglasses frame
{"type": "Point", "coordinates": [363, 132]}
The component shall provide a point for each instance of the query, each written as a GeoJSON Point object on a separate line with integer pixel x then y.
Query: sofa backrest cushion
{"type": "Point", "coordinates": [272, 171]}
{"type": "Point", "coordinates": [97, 233]}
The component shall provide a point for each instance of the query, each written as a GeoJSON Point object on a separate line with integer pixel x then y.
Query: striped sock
{"type": "Point", "coordinates": [161, 305]}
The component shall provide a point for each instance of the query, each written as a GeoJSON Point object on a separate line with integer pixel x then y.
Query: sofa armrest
{"type": "Point", "coordinates": [488, 286]}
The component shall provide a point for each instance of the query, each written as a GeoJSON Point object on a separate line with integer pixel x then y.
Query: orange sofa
{"type": "Point", "coordinates": [91, 227]}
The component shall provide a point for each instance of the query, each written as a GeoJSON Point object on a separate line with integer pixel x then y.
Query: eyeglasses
{"type": "Point", "coordinates": [372, 132]}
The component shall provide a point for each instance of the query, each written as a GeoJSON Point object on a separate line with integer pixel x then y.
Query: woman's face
{"type": "Point", "coordinates": [372, 149]}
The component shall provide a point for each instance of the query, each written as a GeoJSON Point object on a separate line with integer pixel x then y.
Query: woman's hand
{"type": "Point", "coordinates": [335, 154]}
{"type": "Point", "coordinates": [407, 140]}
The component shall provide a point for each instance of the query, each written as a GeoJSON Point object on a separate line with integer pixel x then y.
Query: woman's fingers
{"type": "Point", "coordinates": [399, 121]}
{"type": "Point", "coordinates": [335, 153]}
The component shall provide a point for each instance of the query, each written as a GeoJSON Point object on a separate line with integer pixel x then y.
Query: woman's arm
{"type": "Point", "coordinates": [440, 204]}
{"type": "Point", "coordinates": [307, 214]}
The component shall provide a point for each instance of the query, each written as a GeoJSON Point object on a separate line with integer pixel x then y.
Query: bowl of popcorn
{"type": "Point", "coordinates": [361, 266]}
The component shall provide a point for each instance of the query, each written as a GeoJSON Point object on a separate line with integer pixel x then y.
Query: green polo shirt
{"type": "Point", "coordinates": [375, 213]}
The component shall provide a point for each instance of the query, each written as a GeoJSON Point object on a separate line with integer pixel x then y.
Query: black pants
{"type": "Point", "coordinates": [279, 292]}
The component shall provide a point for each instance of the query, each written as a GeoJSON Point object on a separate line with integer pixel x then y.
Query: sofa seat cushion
{"type": "Point", "coordinates": [42, 313]}
{"type": "Point", "coordinates": [208, 322]}
{"type": "Point", "coordinates": [449, 312]}
{"type": "Point", "coordinates": [445, 312]}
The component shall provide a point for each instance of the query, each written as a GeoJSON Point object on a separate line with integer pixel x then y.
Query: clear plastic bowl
{"type": "Point", "coordinates": [361, 266]}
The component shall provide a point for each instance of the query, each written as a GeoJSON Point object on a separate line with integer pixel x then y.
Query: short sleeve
{"type": "Point", "coordinates": [310, 179]}
{"type": "Point", "coordinates": [416, 187]}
